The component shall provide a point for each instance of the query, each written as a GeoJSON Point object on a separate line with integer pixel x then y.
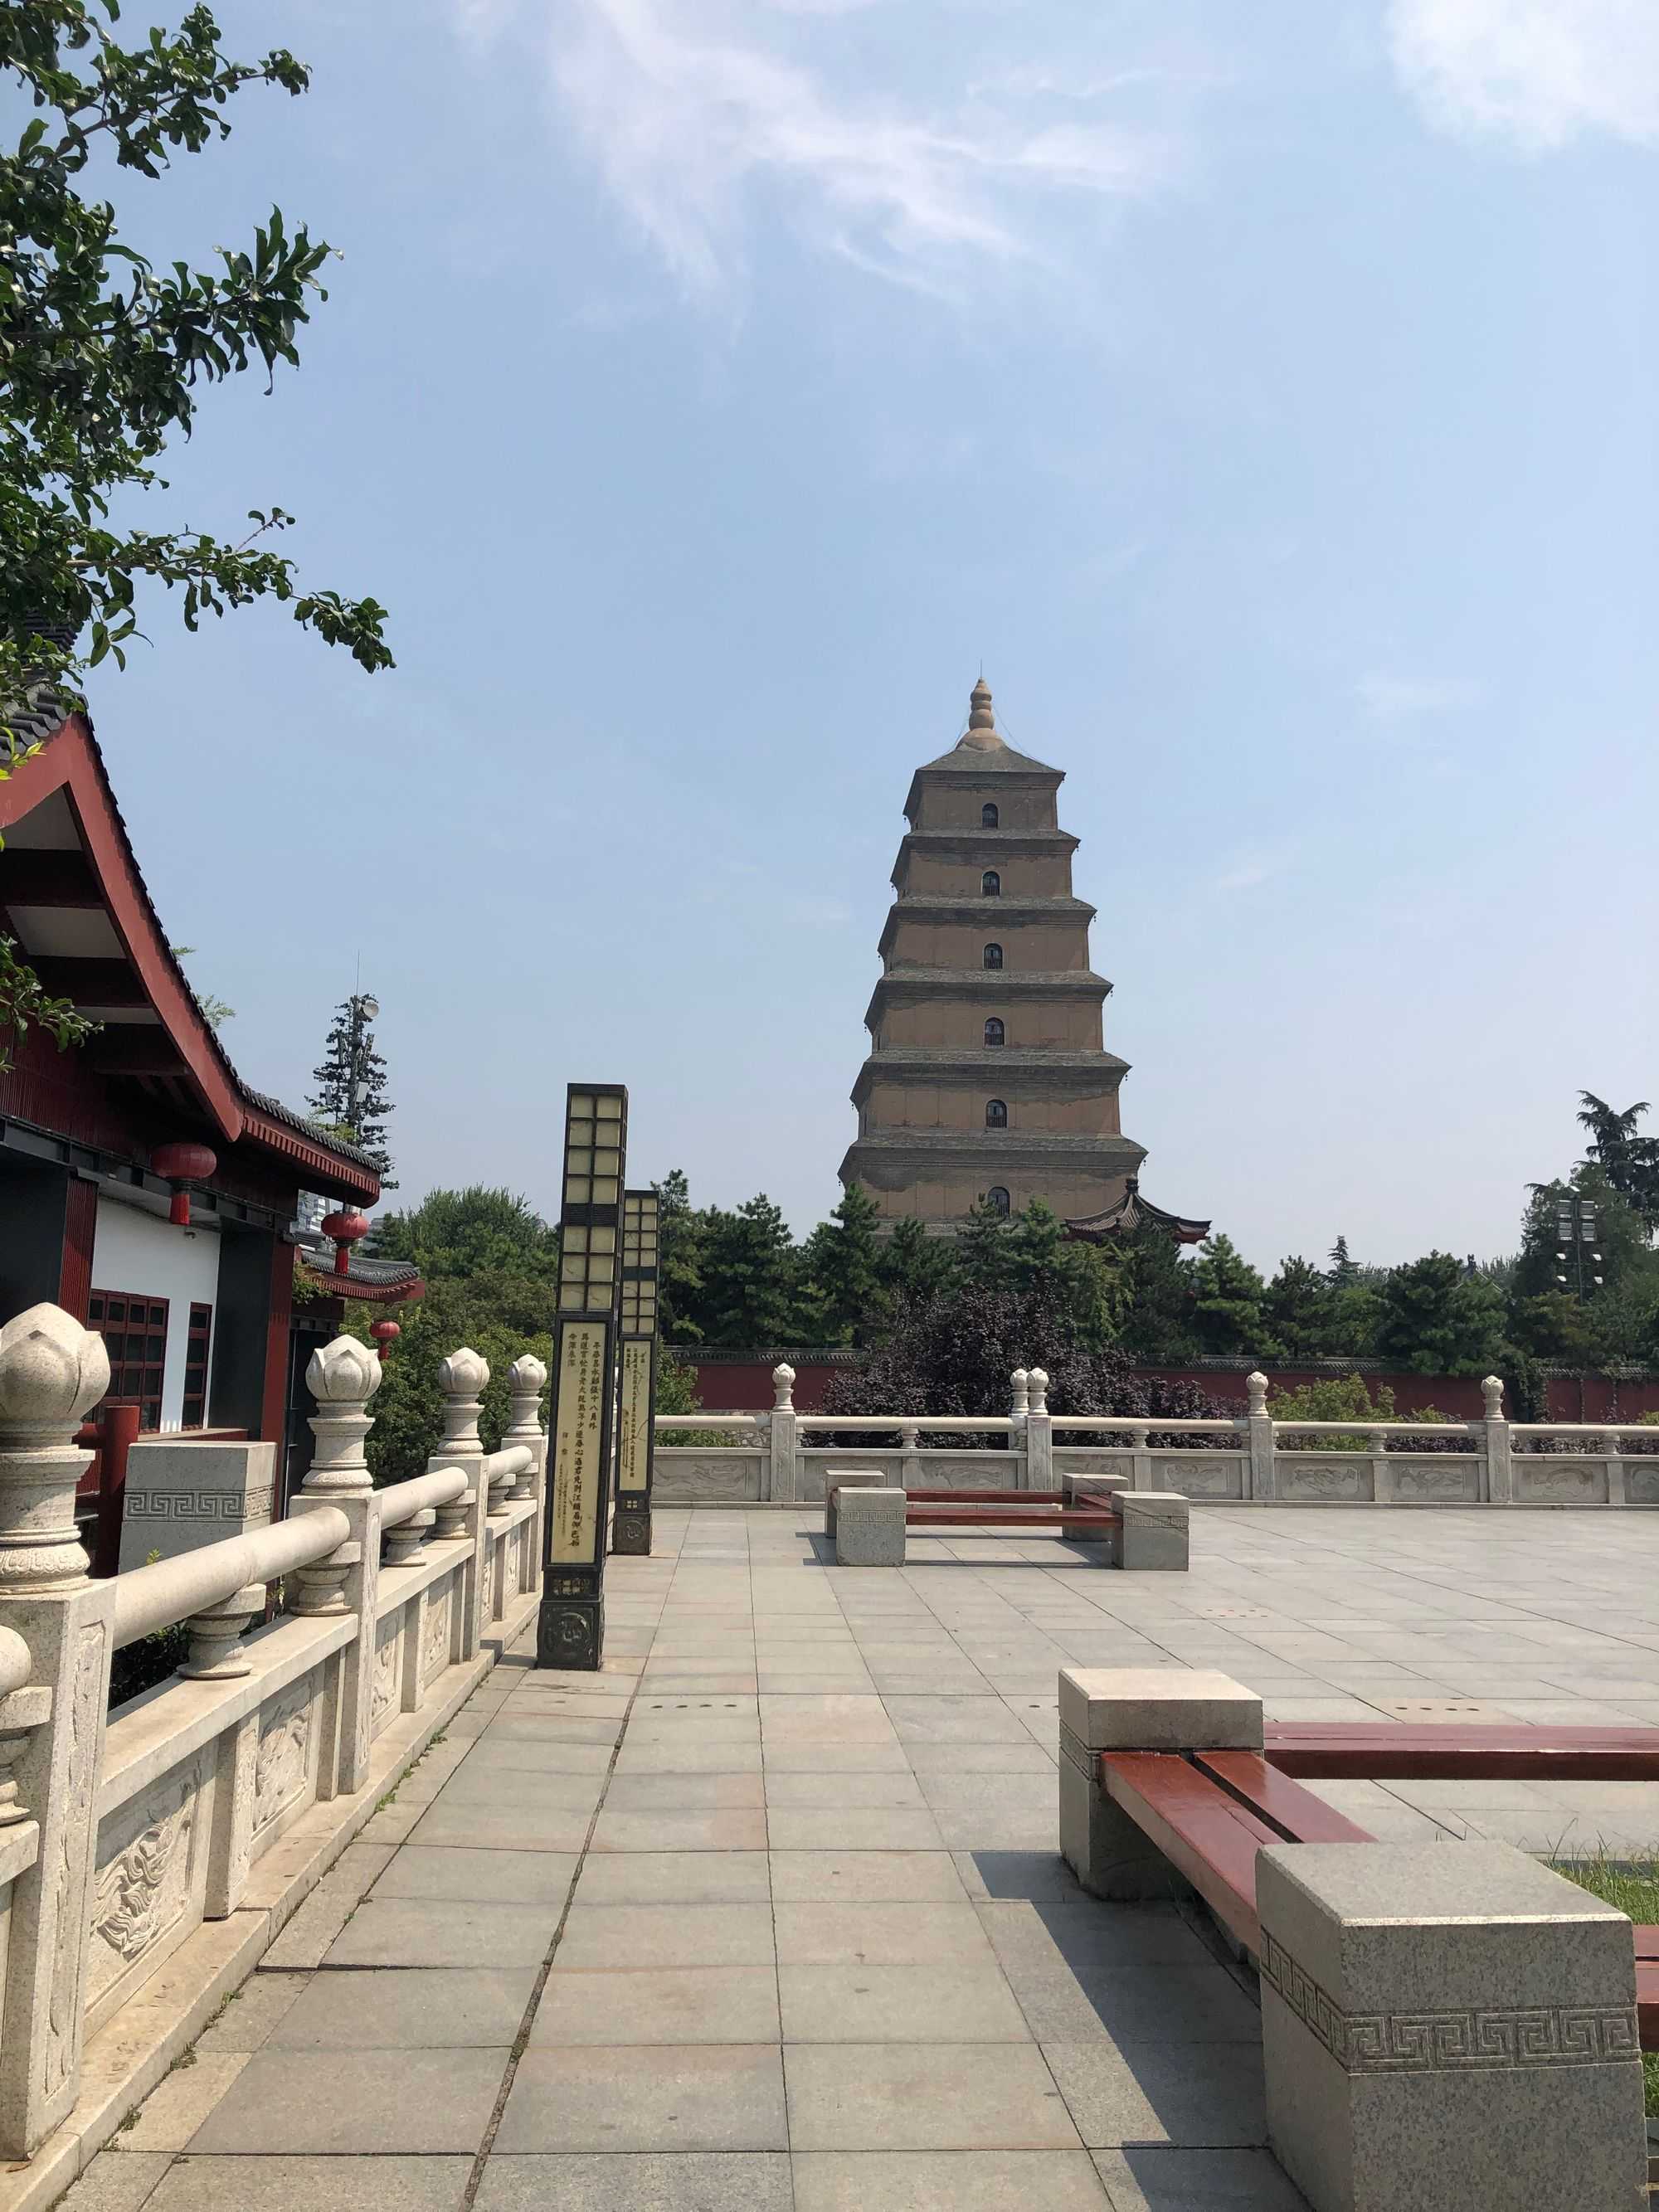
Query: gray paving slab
{"type": "Point", "coordinates": [738, 1829]}
{"type": "Point", "coordinates": [921, 1933]}
{"type": "Point", "coordinates": [245, 2020]}
{"type": "Point", "coordinates": [682, 2096]}
{"type": "Point", "coordinates": [674, 1878]}
{"type": "Point", "coordinates": [691, 2181]}
{"type": "Point", "coordinates": [1153, 2177]}
{"type": "Point", "coordinates": [667, 1934]}
{"type": "Point", "coordinates": [851, 1828]}
{"type": "Point", "coordinates": [873, 2003]}
{"type": "Point", "coordinates": [431, 1932]}
{"type": "Point", "coordinates": [436, 2009]}
{"type": "Point", "coordinates": [656, 2005]}
{"type": "Point", "coordinates": [117, 2181]}
{"type": "Point", "coordinates": [462, 1876]}
{"type": "Point", "coordinates": [1139, 2092]}
{"type": "Point", "coordinates": [355, 2103]}
{"type": "Point", "coordinates": [869, 1877]}
{"type": "Point", "coordinates": [319, 2185]}
{"type": "Point", "coordinates": [948, 2181]}
{"type": "Point", "coordinates": [924, 2096]}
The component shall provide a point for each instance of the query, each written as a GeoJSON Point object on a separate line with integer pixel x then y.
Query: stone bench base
{"type": "Point", "coordinates": [870, 1527]}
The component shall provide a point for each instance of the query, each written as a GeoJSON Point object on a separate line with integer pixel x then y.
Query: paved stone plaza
{"type": "Point", "coordinates": [769, 1917]}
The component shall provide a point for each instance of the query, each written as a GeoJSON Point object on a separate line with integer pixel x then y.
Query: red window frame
{"type": "Point", "coordinates": [197, 1347]}
{"type": "Point", "coordinates": [134, 1328]}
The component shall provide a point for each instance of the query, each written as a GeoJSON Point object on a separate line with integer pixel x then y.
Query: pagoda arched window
{"type": "Point", "coordinates": [996, 1114]}
{"type": "Point", "coordinates": [997, 1199]}
{"type": "Point", "coordinates": [994, 1031]}
{"type": "Point", "coordinates": [993, 956]}
{"type": "Point", "coordinates": [990, 884]}
{"type": "Point", "coordinates": [988, 815]}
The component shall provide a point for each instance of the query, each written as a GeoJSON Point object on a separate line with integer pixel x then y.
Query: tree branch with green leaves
{"type": "Point", "coordinates": [103, 356]}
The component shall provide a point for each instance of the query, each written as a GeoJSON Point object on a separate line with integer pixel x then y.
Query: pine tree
{"type": "Point", "coordinates": [1297, 1309]}
{"type": "Point", "coordinates": [913, 1267]}
{"type": "Point", "coordinates": [1344, 1272]}
{"type": "Point", "coordinates": [1229, 1294]}
{"type": "Point", "coordinates": [749, 1267]}
{"type": "Point", "coordinates": [350, 1096]}
{"type": "Point", "coordinates": [679, 1262]}
{"type": "Point", "coordinates": [1436, 1320]}
{"type": "Point", "coordinates": [840, 1270]}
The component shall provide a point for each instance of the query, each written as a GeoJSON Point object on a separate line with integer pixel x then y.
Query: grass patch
{"type": "Point", "coordinates": [1633, 1887]}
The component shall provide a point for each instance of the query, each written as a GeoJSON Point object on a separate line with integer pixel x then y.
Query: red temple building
{"type": "Point", "coordinates": [143, 1186]}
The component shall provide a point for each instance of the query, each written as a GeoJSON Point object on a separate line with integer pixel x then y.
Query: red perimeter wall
{"type": "Point", "coordinates": [745, 1387]}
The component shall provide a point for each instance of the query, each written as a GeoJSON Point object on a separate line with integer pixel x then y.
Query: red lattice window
{"type": "Point", "coordinates": [195, 1366]}
{"type": "Point", "coordinates": [135, 1333]}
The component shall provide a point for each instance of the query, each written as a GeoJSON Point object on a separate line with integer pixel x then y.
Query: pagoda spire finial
{"type": "Point", "coordinates": [982, 734]}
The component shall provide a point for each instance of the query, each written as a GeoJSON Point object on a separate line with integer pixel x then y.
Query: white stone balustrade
{"type": "Point", "coordinates": [126, 1839]}
{"type": "Point", "coordinates": [1248, 1459]}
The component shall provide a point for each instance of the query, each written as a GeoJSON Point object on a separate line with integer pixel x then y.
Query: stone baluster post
{"type": "Point", "coordinates": [1018, 1405]}
{"type": "Point", "coordinates": [527, 1380]}
{"type": "Point", "coordinates": [342, 1376]}
{"type": "Point", "coordinates": [52, 1373]}
{"type": "Point", "coordinates": [1497, 1444]}
{"type": "Point", "coordinates": [1140, 1462]}
{"type": "Point", "coordinates": [463, 1378]}
{"type": "Point", "coordinates": [909, 1445]}
{"type": "Point", "coordinates": [1039, 1433]}
{"type": "Point", "coordinates": [1381, 1470]}
{"type": "Point", "coordinates": [1264, 1479]}
{"type": "Point", "coordinates": [784, 1458]}
{"type": "Point", "coordinates": [1615, 1468]}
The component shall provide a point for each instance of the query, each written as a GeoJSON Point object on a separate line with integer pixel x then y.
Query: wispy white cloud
{"type": "Point", "coordinates": [1539, 72]}
{"type": "Point", "coordinates": [1402, 698]}
{"type": "Point", "coordinates": [1247, 874]}
{"type": "Point", "coordinates": [701, 116]}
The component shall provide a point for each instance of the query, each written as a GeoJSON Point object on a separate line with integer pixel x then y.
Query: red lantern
{"type": "Point", "coordinates": [345, 1228]}
{"type": "Point", "coordinates": [179, 1164]}
{"type": "Point", "coordinates": [385, 1335]}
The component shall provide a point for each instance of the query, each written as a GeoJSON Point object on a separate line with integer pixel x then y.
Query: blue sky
{"type": "Point", "coordinates": [1264, 394]}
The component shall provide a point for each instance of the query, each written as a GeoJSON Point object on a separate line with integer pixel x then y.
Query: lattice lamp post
{"type": "Point", "coordinates": [637, 1396]}
{"type": "Point", "coordinates": [570, 1631]}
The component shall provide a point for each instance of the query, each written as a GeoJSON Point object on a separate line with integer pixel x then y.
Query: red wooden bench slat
{"type": "Point", "coordinates": [1647, 1999]}
{"type": "Point", "coordinates": [1647, 1943]}
{"type": "Point", "coordinates": [1299, 1816]}
{"type": "Point", "coordinates": [991, 1496]}
{"type": "Point", "coordinates": [1205, 1835]}
{"type": "Point", "coordinates": [928, 1516]}
{"type": "Point", "coordinates": [1411, 1751]}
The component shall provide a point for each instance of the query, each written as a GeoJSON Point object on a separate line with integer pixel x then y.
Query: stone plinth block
{"type": "Point", "coordinates": [1136, 1708]}
{"type": "Point", "coordinates": [870, 1527]}
{"type": "Point", "coordinates": [182, 1494]}
{"type": "Point", "coordinates": [1154, 1531]}
{"type": "Point", "coordinates": [864, 1478]}
{"type": "Point", "coordinates": [1447, 2026]}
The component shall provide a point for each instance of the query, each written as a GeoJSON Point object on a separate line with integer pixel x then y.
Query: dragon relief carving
{"type": "Point", "coordinates": [384, 1693]}
{"type": "Point", "coordinates": [132, 1905]}
{"type": "Point", "coordinates": [434, 1651]}
{"type": "Point", "coordinates": [280, 1764]}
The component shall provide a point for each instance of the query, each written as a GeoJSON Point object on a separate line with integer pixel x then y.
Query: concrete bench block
{"type": "Point", "coordinates": [1137, 1709]}
{"type": "Point", "coordinates": [870, 1528]}
{"type": "Point", "coordinates": [866, 1478]}
{"type": "Point", "coordinates": [1447, 2026]}
{"type": "Point", "coordinates": [1154, 1531]}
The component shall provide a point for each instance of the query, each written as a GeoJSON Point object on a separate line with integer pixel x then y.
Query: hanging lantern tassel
{"type": "Point", "coordinates": [345, 1228]}
{"type": "Point", "coordinates": [180, 1165]}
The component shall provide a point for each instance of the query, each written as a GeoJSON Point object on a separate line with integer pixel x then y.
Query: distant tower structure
{"type": "Point", "coordinates": [987, 1076]}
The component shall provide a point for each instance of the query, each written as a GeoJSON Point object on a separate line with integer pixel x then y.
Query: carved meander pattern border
{"type": "Point", "coordinates": [1460, 2040]}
